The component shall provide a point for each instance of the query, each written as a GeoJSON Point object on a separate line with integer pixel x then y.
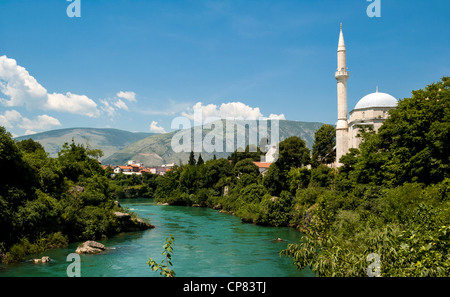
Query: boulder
{"type": "Point", "coordinates": [76, 190]}
{"type": "Point", "coordinates": [90, 247]}
{"type": "Point", "coordinates": [44, 259]}
{"type": "Point", "coordinates": [122, 215]}
{"type": "Point", "coordinates": [130, 223]}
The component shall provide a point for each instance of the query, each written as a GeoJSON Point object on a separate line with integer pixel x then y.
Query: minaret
{"type": "Point", "coordinates": [342, 123]}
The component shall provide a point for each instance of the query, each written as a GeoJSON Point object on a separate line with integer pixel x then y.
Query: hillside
{"type": "Point", "coordinates": [156, 149]}
{"type": "Point", "coordinates": [108, 140]}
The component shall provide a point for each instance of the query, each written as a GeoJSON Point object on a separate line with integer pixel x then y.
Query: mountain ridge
{"type": "Point", "coordinates": [109, 140]}
{"type": "Point", "coordinates": [157, 149]}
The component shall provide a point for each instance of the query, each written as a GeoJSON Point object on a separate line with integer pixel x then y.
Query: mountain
{"type": "Point", "coordinates": [108, 140]}
{"type": "Point", "coordinates": [157, 149]}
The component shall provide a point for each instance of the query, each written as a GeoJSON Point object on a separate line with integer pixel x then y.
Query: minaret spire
{"type": "Point", "coordinates": [341, 45]}
{"type": "Point", "coordinates": [341, 78]}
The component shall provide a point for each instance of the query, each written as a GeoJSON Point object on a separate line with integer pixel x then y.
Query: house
{"type": "Point", "coordinates": [133, 162]}
{"type": "Point", "coordinates": [263, 167]}
{"type": "Point", "coordinates": [123, 169]}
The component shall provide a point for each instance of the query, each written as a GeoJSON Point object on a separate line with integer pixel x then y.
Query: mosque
{"type": "Point", "coordinates": [371, 110]}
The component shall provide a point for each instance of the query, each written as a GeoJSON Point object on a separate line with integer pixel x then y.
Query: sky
{"type": "Point", "coordinates": [137, 65]}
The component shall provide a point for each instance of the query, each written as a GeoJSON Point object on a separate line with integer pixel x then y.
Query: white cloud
{"type": "Point", "coordinates": [42, 122]}
{"type": "Point", "coordinates": [12, 118]}
{"type": "Point", "coordinates": [277, 117]}
{"type": "Point", "coordinates": [107, 107]}
{"type": "Point", "coordinates": [24, 90]}
{"type": "Point", "coordinates": [130, 96]}
{"type": "Point", "coordinates": [121, 105]}
{"type": "Point", "coordinates": [72, 103]}
{"type": "Point", "coordinates": [228, 110]}
{"type": "Point", "coordinates": [110, 107]}
{"type": "Point", "coordinates": [30, 132]}
{"type": "Point", "coordinates": [155, 128]}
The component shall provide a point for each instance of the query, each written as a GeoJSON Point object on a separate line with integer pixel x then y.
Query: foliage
{"type": "Point", "coordinates": [44, 242]}
{"type": "Point", "coordinates": [250, 152]}
{"type": "Point", "coordinates": [323, 151]}
{"type": "Point", "coordinates": [293, 152]}
{"type": "Point", "coordinates": [192, 159]}
{"type": "Point", "coordinates": [46, 202]}
{"type": "Point", "coordinates": [166, 263]}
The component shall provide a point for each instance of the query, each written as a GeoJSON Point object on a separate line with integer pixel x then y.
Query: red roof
{"type": "Point", "coordinates": [125, 167]}
{"type": "Point", "coordinates": [262, 164]}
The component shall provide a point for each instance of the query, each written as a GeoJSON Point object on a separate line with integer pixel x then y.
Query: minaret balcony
{"type": "Point", "coordinates": [341, 74]}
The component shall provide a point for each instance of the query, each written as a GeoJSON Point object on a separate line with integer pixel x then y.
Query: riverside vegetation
{"type": "Point", "coordinates": [48, 202]}
{"type": "Point", "coordinates": [391, 196]}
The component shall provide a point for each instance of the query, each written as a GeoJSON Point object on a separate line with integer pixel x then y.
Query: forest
{"type": "Point", "coordinates": [391, 197]}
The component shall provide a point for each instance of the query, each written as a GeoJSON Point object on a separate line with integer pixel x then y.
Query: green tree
{"type": "Point", "coordinates": [298, 178]}
{"type": "Point", "coordinates": [192, 161]}
{"type": "Point", "coordinates": [293, 152]}
{"type": "Point", "coordinates": [245, 166]}
{"type": "Point", "coordinates": [250, 152]}
{"type": "Point", "coordinates": [416, 137]}
{"type": "Point", "coordinates": [323, 151]}
{"type": "Point", "coordinates": [274, 180]}
{"type": "Point", "coordinates": [200, 160]}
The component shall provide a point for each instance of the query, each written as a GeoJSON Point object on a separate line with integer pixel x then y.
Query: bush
{"type": "Point", "coordinates": [275, 210]}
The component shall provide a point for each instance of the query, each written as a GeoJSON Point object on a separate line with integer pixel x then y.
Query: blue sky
{"type": "Point", "coordinates": [136, 65]}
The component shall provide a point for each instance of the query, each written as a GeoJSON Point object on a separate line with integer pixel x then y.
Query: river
{"type": "Point", "coordinates": [207, 243]}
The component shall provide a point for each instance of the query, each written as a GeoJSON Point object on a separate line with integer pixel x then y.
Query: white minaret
{"type": "Point", "coordinates": [342, 123]}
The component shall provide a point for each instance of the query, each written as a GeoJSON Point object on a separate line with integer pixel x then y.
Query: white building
{"type": "Point", "coordinates": [133, 162]}
{"type": "Point", "coordinates": [371, 110]}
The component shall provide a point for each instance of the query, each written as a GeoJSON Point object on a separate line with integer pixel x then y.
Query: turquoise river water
{"type": "Point", "coordinates": [207, 244]}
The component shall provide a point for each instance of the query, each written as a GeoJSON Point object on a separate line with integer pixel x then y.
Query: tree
{"type": "Point", "coordinates": [192, 161]}
{"type": "Point", "coordinates": [274, 180]}
{"type": "Point", "coordinates": [298, 178]}
{"type": "Point", "coordinates": [252, 152]}
{"type": "Point", "coordinates": [416, 137]}
{"type": "Point", "coordinates": [29, 145]}
{"type": "Point", "coordinates": [245, 166]}
{"type": "Point", "coordinates": [323, 151]}
{"type": "Point", "coordinates": [293, 152]}
{"type": "Point", "coordinates": [200, 160]}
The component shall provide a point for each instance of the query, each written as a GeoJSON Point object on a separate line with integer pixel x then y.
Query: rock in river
{"type": "Point", "coordinates": [130, 223]}
{"type": "Point", "coordinates": [90, 247]}
{"type": "Point", "coordinates": [44, 259]}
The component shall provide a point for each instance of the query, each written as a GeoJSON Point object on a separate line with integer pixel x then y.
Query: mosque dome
{"type": "Point", "coordinates": [375, 100]}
